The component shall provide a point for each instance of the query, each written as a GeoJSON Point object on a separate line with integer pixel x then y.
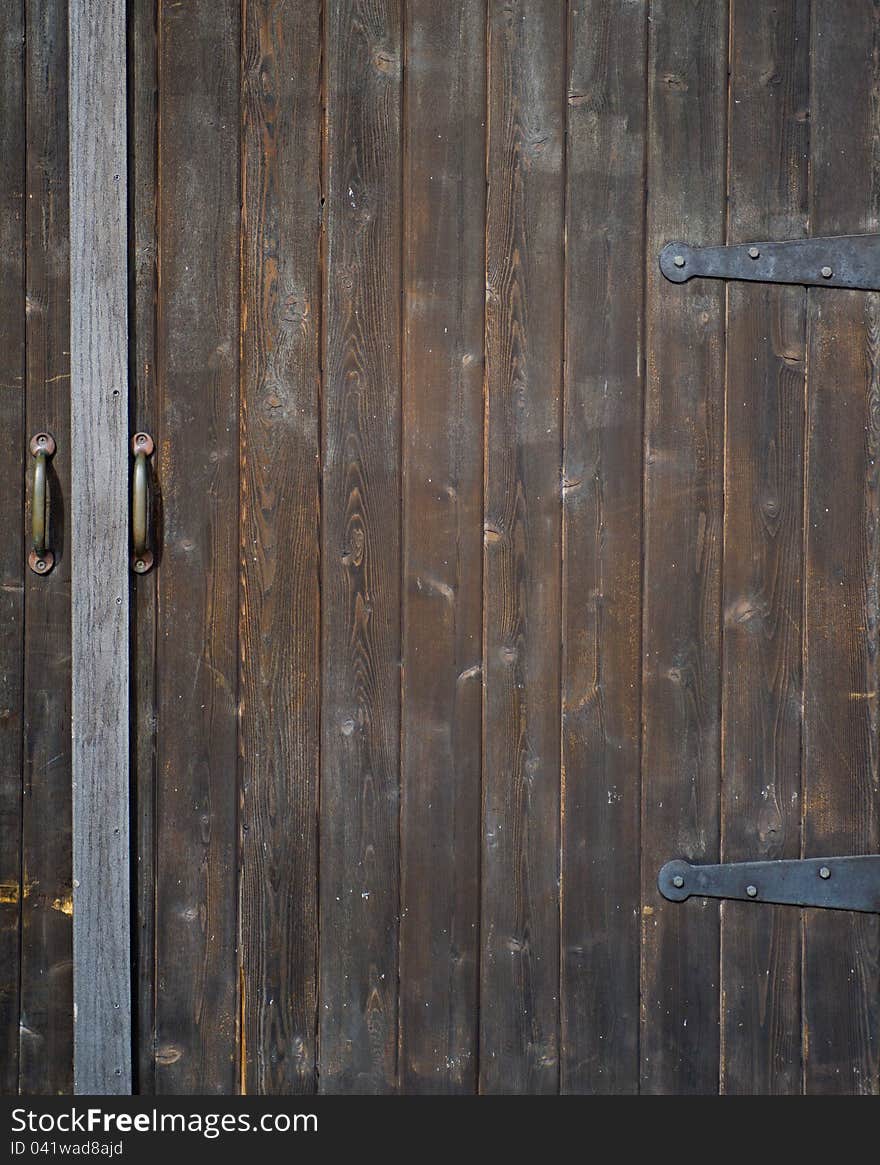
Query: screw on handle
{"type": "Point", "coordinates": [41, 559]}
{"type": "Point", "coordinates": [142, 557]}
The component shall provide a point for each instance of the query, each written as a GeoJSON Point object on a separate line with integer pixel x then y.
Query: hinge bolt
{"type": "Point", "coordinates": [827, 272]}
{"type": "Point", "coordinates": [754, 253]}
{"type": "Point", "coordinates": [678, 260]}
{"type": "Point", "coordinates": [824, 872]}
{"type": "Point", "coordinates": [752, 891]}
{"type": "Point", "coordinates": [678, 881]}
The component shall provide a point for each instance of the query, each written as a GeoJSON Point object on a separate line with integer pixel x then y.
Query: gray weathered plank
{"type": "Point", "coordinates": [99, 424]}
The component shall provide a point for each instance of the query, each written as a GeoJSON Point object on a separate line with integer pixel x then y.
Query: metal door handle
{"type": "Point", "coordinates": [142, 556]}
{"type": "Point", "coordinates": [41, 559]}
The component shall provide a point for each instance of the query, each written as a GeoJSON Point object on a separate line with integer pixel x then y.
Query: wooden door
{"type": "Point", "coordinates": [36, 901]}
{"type": "Point", "coordinates": [491, 570]}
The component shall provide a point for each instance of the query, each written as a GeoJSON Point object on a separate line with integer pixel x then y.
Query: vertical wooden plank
{"type": "Point", "coordinates": [197, 466]}
{"type": "Point", "coordinates": [12, 466]}
{"type": "Point", "coordinates": [46, 1047]}
{"type": "Point", "coordinates": [763, 545]}
{"type": "Point", "coordinates": [360, 746]}
{"type": "Point", "coordinates": [684, 431]}
{"type": "Point", "coordinates": [279, 622]}
{"type": "Point", "coordinates": [602, 495]}
{"type": "Point", "coordinates": [99, 529]}
{"type": "Point", "coordinates": [444, 209]}
{"type": "Point", "coordinates": [842, 951]}
{"type": "Point", "coordinates": [519, 1004]}
{"type": "Point", "coordinates": [143, 411]}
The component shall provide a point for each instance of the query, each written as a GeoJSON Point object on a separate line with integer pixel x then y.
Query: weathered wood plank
{"type": "Point", "coordinates": [143, 411]}
{"type": "Point", "coordinates": [279, 625]}
{"type": "Point", "coordinates": [519, 995]}
{"type": "Point", "coordinates": [763, 545]}
{"type": "Point", "coordinates": [12, 468]}
{"type": "Point", "coordinates": [99, 529]}
{"type": "Point", "coordinates": [601, 557]}
{"type": "Point", "coordinates": [197, 997]}
{"type": "Point", "coordinates": [46, 1046]}
{"type": "Point", "coordinates": [359, 820]}
{"type": "Point", "coordinates": [842, 675]}
{"type": "Point", "coordinates": [444, 219]}
{"type": "Point", "coordinates": [683, 533]}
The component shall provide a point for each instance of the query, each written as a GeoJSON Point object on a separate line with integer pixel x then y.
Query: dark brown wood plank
{"type": "Point", "coordinates": [12, 467]}
{"type": "Point", "coordinates": [763, 545]}
{"type": "Point", "coordinates": [602, 496]}
{"type": "Point", "coordinates": [840, 806]}
{"type": "Point", "coordinates": [143, 407]}
{"type": "Point", "coordinates": [197, 465]}
{"type": "Point", "coordinates": [279, 624]}
{"type": "Point", "coordinates": [444, 218]}
{"type": "Point", "coordinates": [360, 754]}
{"type": "Point", "coordinates": [519, 994]}
{"type": "Point", "coordinates": [684, 449]}
{"type": "Point", "coordinates": [46, 1047]}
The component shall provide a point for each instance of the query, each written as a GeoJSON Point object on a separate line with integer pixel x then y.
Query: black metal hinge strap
{"type": "Point", "coordinates": [840, 261]}
{"type": "Point", "coordinates": [844, 883]}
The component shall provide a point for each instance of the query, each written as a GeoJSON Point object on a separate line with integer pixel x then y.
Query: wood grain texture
{"type": "Point", "coordinates": [684, 449]}
{"type": "Point", "coordinates": [46, 1031]}
{"type": "Point", "coordinates": [279, 636]}
{"type": "Point", "coordinates": [197, 1006]}
{"type": "Point", "coordinates": [601, 557]}
{"type": "Point", "coordinates": [143, 411]}
{"type": "Point", "coordinates": [453, 491]}
{"type": "Point", "coordinates": [442, 498]}
{"type": "Point", "coordinates": [12, 564]}
{"type": "Point", "coordinates": [763, 545]}
{"type": "Point", "coordinates": [99, 527]}
{"type": "Point", "coordinates": [840, 805]}
{"type": "Point", "coordinates": [359, 822]}
{"type": "Point", "coordinates": [519, 991]}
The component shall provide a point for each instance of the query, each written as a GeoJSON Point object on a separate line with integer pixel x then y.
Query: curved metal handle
{"type": "Point", "coordinates": [41, 559]}
{"type": "Point", "coordinates": [142, 556]}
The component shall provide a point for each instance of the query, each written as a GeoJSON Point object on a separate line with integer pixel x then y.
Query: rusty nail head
{"type": "Point", "coordinates": [752, 891]}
